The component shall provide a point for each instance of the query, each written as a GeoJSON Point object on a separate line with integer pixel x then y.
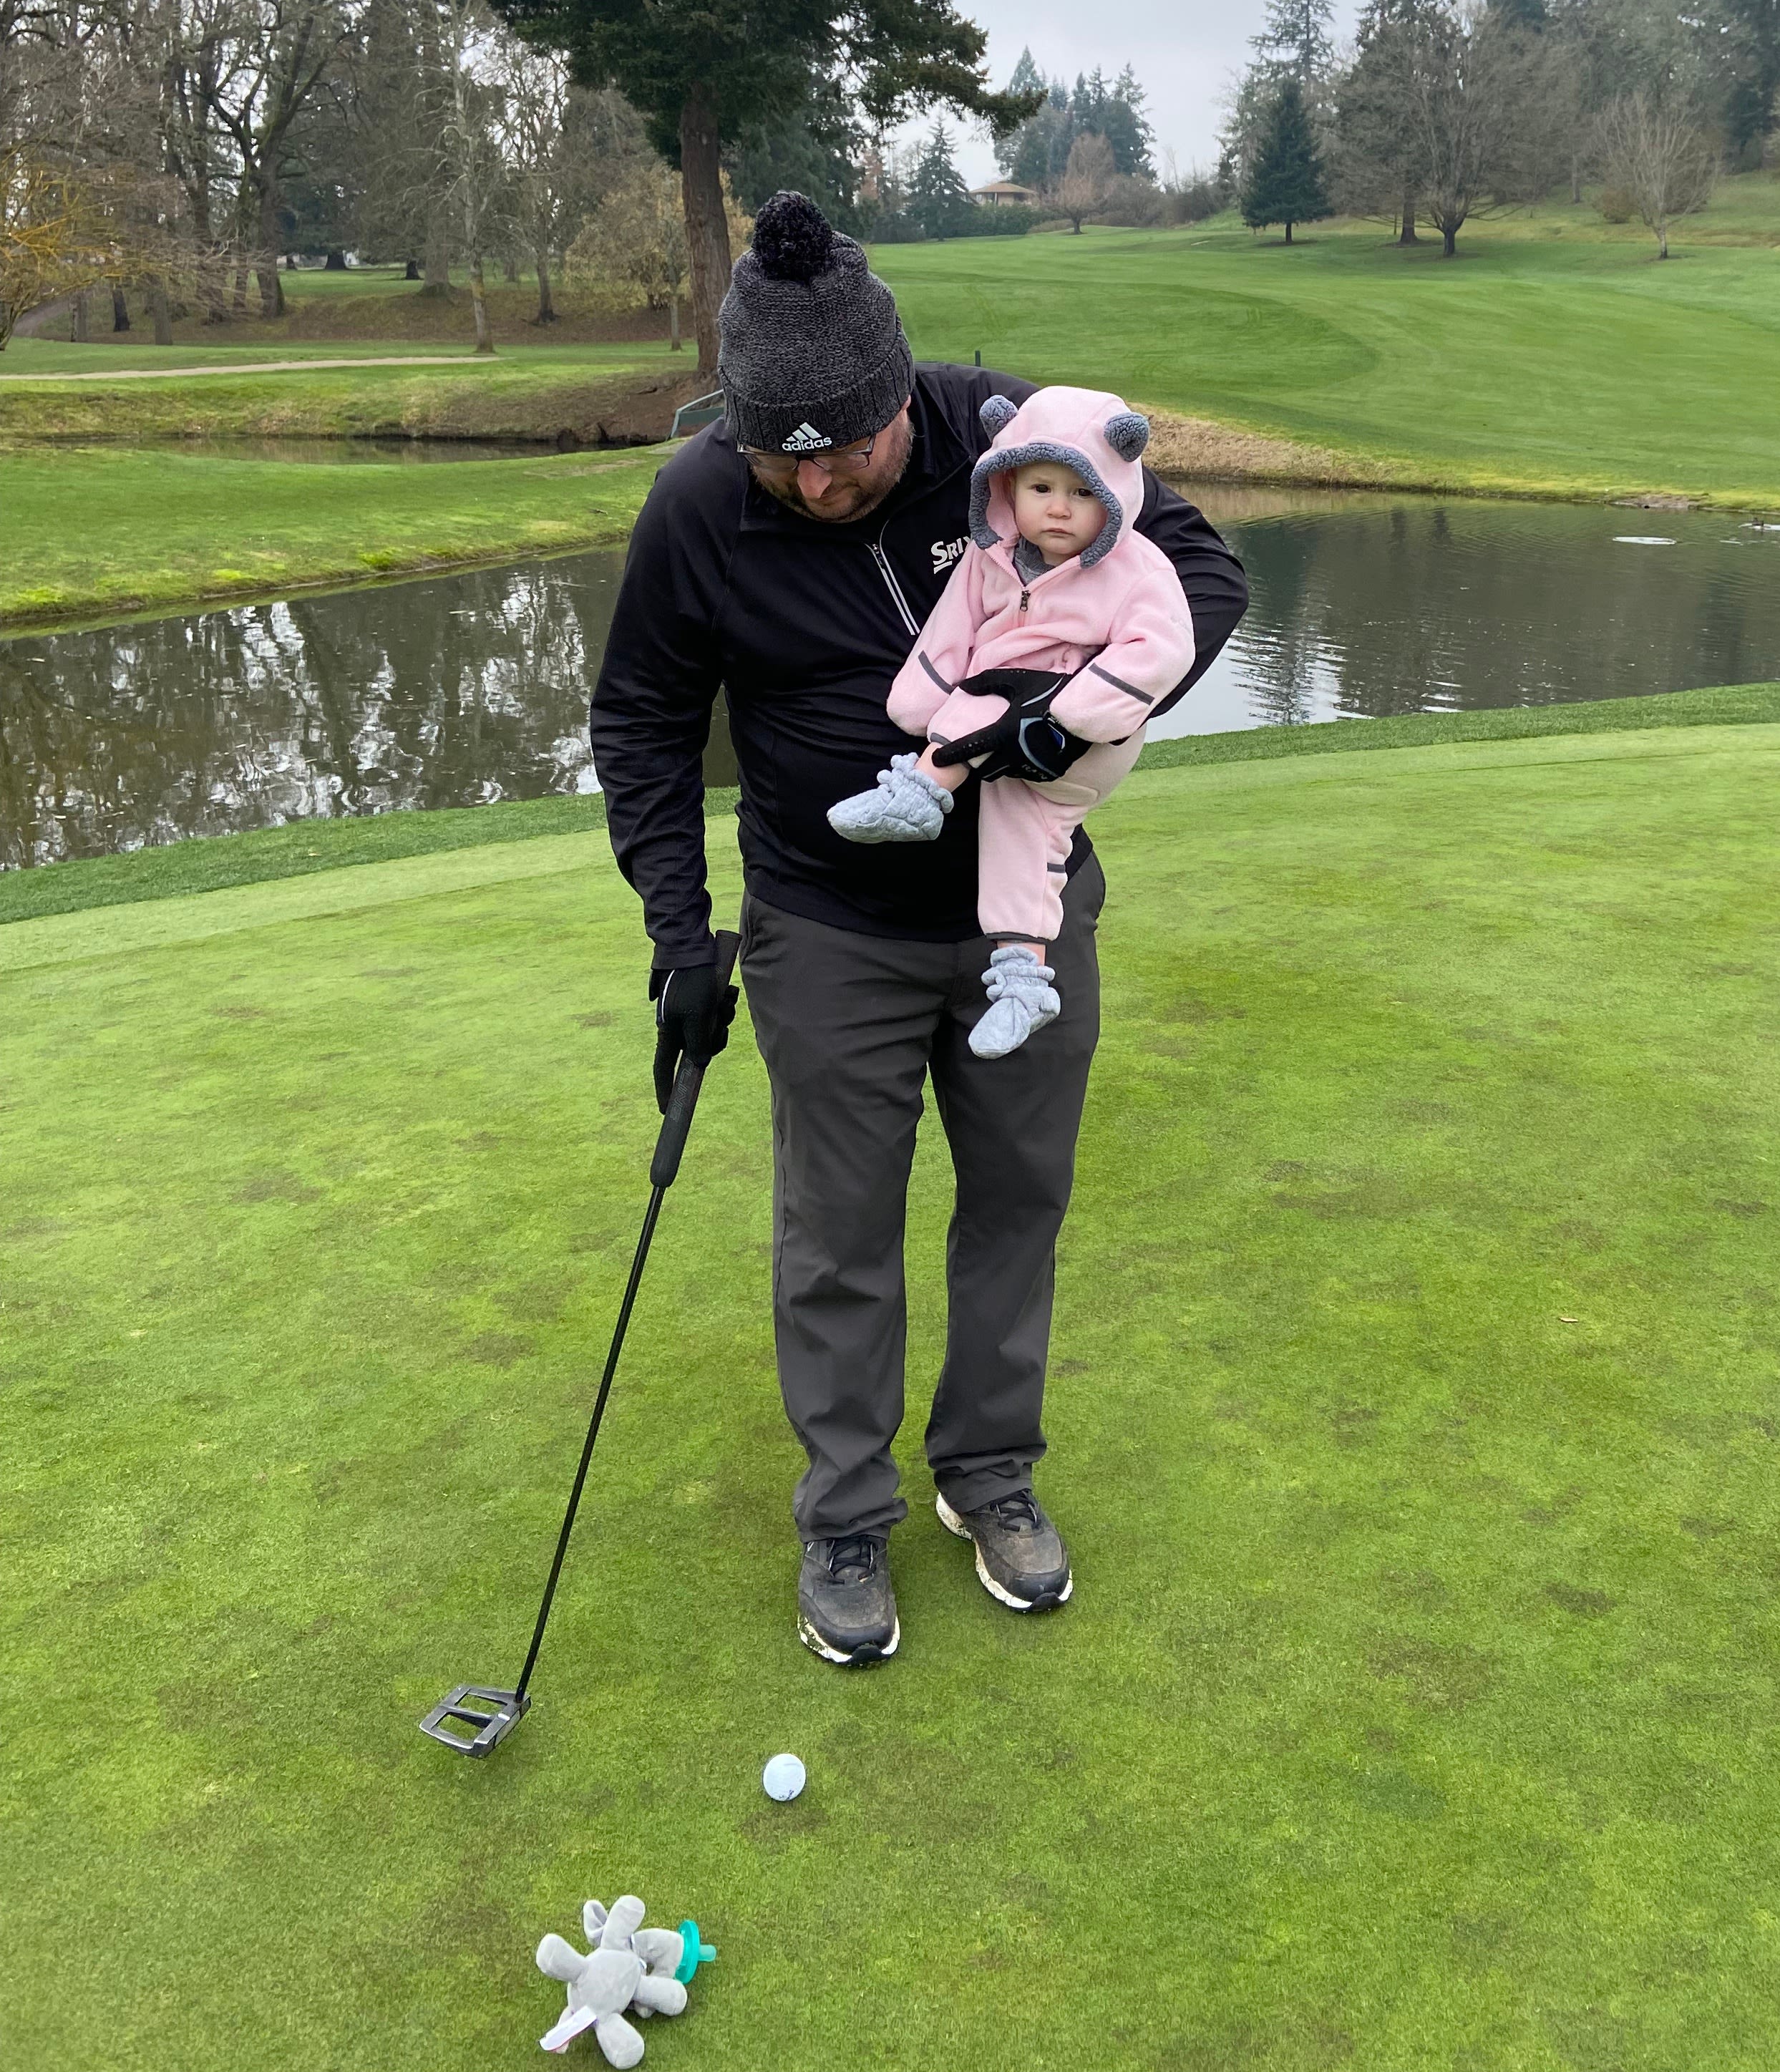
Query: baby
{"type": "Point", "coordinates": [1057, 581]}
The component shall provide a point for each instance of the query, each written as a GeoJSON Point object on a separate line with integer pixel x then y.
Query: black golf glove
{"type": "Point", "coordinates": [1025, 742]}
{"type": "Point", "coordinates": [692, 1017]}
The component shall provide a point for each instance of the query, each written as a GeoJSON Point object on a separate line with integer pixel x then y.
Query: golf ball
{"type": "Point", "coordinates": [782, 1777]}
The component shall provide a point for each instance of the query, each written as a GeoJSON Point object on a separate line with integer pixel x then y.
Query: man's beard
{"type": "Point", "coordinates": [895, 465]}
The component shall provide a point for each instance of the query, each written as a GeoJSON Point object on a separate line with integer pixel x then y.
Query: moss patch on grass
{"type": "Point", "coordinates": [1412, 1420]}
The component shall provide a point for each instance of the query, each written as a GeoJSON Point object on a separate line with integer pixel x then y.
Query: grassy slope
{"type": "Point", "coordinates": [304, 847]}
{"type": "Point", "coordinates": [1536, 363]}
{"type": "Point", "coordinates": [1413, 1421]}
{"type": "Point", "coordinates": [520, 393]}
{"type": "Point", "coordinates": [92, 531]}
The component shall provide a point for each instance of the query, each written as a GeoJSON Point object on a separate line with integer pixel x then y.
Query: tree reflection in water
{"type": "Point", "coordinates": [471, 688]}
{"type": "Point", "coordinates": [452, 692]}
{"type": "Point", "coordinates": [1368, 607]}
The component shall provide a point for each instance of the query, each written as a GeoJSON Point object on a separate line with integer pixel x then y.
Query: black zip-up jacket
{"type": "Point", "coordinates": [802, 625]}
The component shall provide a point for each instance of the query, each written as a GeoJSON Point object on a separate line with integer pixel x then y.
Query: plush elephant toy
{"type": "Point", "coordinates": [630, 1969]}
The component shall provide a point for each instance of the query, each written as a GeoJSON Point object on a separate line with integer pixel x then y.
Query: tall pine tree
{"type": "Point", "coordinates": [939, 201]}
{"type": "Point", "coordinates": [1285, 184]}
{"type": "Point", "coordinates": [1296, 40]}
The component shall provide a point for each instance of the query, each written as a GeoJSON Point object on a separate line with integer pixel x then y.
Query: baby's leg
{"type": "Point", "coordinates": [1023, 844]}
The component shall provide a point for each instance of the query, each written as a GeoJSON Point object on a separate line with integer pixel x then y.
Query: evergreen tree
{"type": "Point", "coordinates": [814, 152]}
{"type": "Point", "coordinates": [1296, 40]}
{"type": "Point", "coordinates": [1128, 129]}
{"type": "Point", "coordinates": [1285, 184]}
{"type": "Point", "coordinates": [939, 201]}
{"type": "Point", "coordinates": [1037, 154]}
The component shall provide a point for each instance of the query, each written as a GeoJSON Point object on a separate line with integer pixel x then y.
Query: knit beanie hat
{"type": "Point", "coordinates": [812, 354]}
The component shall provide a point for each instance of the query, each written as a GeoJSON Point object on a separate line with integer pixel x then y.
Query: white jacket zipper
{"type": "Point", "coordinates": [892, 584]}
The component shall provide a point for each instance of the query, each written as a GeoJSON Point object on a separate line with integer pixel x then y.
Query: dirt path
{"type": "Point", "coordinates": [251, 367]}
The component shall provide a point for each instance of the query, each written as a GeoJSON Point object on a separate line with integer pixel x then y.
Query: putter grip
{"type": "Point", "coordinates": [664, 1167]}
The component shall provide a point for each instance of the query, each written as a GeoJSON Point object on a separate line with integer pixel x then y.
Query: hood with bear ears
{"type": "Point", "coordinates": [1085, 429]}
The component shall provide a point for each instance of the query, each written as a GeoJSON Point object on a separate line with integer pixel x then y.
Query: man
{"type": "Point", "coordinates": [789, 556]}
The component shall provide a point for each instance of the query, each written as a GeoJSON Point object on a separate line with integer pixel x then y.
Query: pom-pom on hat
{"type": "Point", "coordinates": [812, 354]}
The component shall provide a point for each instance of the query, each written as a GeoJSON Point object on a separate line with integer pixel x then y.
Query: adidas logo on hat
{"type": "Point", "coordinates": [806, 439]}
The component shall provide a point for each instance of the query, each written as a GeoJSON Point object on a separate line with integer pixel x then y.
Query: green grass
{"type": "Point", "coordinates": [1413, 1421]}
{"type": "Point", "coordinates": [1534, 363]}
{"type": "Point", "coordinates": [304, 847]}
{"type": "Point", "coordinates": [90, 531]}
{"type": "Point", "coordinates": [523, 391]}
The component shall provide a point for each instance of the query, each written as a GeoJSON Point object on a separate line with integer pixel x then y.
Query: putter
{"type": "Point", "coordinates": [488, 1712]}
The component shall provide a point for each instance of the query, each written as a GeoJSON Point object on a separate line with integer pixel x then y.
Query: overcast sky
{"type": "Point", "coordinates": [1183, 51]}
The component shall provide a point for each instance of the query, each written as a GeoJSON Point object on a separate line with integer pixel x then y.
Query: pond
{"type": "Point", "coordinates": [463, 689]}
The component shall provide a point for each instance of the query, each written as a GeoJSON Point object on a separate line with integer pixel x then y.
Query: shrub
{"type": "Point", "coordinates": [1616, 205]}
{"type": "Point", "coordinates": [1193, 201]}
{"type": "Point", "coordinates": [1133, 203]}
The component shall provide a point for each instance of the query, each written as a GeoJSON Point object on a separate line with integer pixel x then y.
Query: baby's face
{"type": "Point", "coordinates": [1055, 510]}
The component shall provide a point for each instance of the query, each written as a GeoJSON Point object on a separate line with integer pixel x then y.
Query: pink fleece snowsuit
{"type": "Point", "coordinates": [1114, 618]}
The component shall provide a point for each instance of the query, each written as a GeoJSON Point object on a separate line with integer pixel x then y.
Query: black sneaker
{"type": "Point", "coordinates": [1020, 1558]}
{"type": "Point", "coordinates": [846, 1609]}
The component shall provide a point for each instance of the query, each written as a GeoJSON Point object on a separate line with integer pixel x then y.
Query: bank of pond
{"type": "Point", "coordinates": [464, 689]}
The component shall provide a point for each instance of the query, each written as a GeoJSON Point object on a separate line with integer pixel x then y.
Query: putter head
{"type": "Point", "coordinates": [492, 1715]}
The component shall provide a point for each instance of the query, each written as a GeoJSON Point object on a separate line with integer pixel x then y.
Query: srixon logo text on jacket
{"type": "Point", "coordinates": [806, 439]}
{"type": "Point", "coordinates": [945, 553]}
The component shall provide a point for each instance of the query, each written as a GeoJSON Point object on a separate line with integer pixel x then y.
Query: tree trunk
{"type": "Point", "coordinates": [1662, 241]}
{"type": "Point", "coordinates": [336, 261]}
{"type": "Point", "coordinates": [674, 344]}
{"type": "Point", "coordinates": [1576, 181]}
{"type": "Point", "coordinates": [484, 341]}
{"type": "Point", "coordinates": [707, 226]}
{"type": "Point", "coordinates": [1450, 245]}
{"type": "Point", "coordinates": [413, 272]}
{"type": "Point", "coordinates": [266, 263]}
{"type": "Point", "coordinates": [120, 309]}
{"type": "Point", "coordinates": [1288, 233]}
{"type": "Point", "coordinates": [547, 309]}
{"type": "Point", "coordinates": [438, 255]}
{"type": "Point", "coordinates": [158, 308]}
{"type": "Point", "coordinates": [509, 270]}
{"type": "Point", "coordinates": [83, 332]}
{"type": "Point", "coordinates": [238, 305]}
{"type": "Point", "coordinates": [210, 286]}
{"type": "Point", "coordinates": [1408, 236]}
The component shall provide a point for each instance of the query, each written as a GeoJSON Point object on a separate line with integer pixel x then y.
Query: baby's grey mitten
{"type": "Point", "coordinates": [907, 805]}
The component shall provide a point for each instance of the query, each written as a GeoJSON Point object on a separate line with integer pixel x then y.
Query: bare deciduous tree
{"type": "Point", "coordinates": [632, 249]}
{"type": "Point", "coordinates": [1086, 184]}
{"type": "Point", "coordinates": [284, 47]}
{"type": "Point", "coordinates": [1659, 157]}
{"type": "Point", "coordinates": [57, 234]}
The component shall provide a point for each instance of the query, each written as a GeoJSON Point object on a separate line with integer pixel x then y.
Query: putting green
{"type": "Point", "coordinates": [1414, 1422]}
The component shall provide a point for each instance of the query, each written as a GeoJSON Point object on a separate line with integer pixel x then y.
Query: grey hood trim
{"type": "Point", "coordinates": [1003, 460]}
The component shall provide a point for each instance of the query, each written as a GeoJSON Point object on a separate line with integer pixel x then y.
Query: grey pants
{"type": "Point", "coordinates": [851, 1026]}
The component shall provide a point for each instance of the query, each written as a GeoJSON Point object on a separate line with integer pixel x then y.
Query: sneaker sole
{"type": "Point", "coordinates": [861, 1657]}
{"type": "Point", "coordinates": [1046, 1601]}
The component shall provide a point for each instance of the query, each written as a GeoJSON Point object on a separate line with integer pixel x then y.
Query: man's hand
{"type": "Point", "coordinates": [692, 1016]}
{"type": "Point", "coordinates": [1025, 742]}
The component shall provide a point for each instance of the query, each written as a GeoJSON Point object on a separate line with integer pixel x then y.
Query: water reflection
{"type": "Point", "coordinates": [1365, 607]}
{"type": "Point", "coordinates": [451, 693]}
{"type": "Point", "coordinates": [470, 688]}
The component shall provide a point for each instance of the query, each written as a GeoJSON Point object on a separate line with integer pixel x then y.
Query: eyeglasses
{"type": "Point", "coordinates": [782, 466]}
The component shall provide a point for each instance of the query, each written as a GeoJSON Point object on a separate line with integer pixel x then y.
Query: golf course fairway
{"type": "Point", "coordinates": [1415, 1420]}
